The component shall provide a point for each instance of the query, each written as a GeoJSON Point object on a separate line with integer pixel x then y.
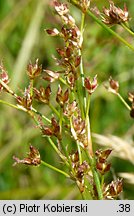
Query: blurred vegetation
{"type": "Point", "coordinates": [22, 39]}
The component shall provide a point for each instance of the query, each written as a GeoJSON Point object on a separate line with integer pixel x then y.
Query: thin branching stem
{"type": "Point", "coordinates": [13, 106]}
{"type": "Point", "coordinates": [102, 181]}
{"type": "Point", "coordinates": [40, 114]}
{"type": "Point", "coordinates": [89, 139]}
{"type": "Point", "coordinates": [55, 169]}
{"type": "Point", "coordinates": [58, 151]}
{"type": "Point", "coordinates": [54, 110]}
{"type": "Point", "coordinates": [124, 102]}
{"type": "Point", "coordinates": [127, 29]}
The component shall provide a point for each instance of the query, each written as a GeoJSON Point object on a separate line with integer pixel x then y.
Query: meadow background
{"type": "Point", "coordinates": [22, 38]}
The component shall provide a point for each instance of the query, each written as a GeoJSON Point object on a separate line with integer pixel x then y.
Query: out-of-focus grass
{"type": "Point", "coordinates": [22, 39]}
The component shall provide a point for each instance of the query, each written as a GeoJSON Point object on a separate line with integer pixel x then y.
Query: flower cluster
{"type": "Point", "coordinates": [112, 190]}
{"type": "Point", "coordinates": [43, 94]}
{"type": "Point", "coordinates": [25, 100]}
{"type": "Point", "coordinates": [70, 54]}
{"type": "Point", "coordinates": [113, 86]}
{"type": "Point", "coordinates": [113, 15]}
{"type": "Point", "coordinates": [91, 85]}
{"type": "Point", "coordinates": [84, 167]}
{"type": "Point", "coordinates": [101, 164]}
{"type": "Point", "coordinates": [78, 125]}
{"type": "Point", "coordinates": [79, 170]}
{"type": "Point", "coordinates": [84, 5]}
{"type": "Point", "coordinates": [34, 70]}
{"type": "Point", "coordinates": [53, 130]}
{"type": "Point", "coordinates": [62, 98]}
{"type": "Point", "coordinates": [33, 158]}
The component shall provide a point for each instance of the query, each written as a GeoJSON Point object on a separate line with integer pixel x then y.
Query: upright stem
{"type": "Point", "coordinates": [95, 176]}
{"type": "Point", "coordinates": [102, 181]}
{"type": "Point", "coordinates": [80, 80]}
{"type": "Point", "coordinates": [89, 139]}
{"type": "Point", "coordinates": [61, 119]}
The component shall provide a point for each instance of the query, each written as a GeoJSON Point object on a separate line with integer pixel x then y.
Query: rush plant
{"type": "Point", "coordinates": [86, 167]}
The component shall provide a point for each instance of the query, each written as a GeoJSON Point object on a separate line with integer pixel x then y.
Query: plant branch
{"type": "Point", "coordinates": [124, 102]}
{"type": "Point", "coordinates": [55, 169]}
{"type": "Point", "coordinates": [58, 151]}
{"type": "Point", "coordinates": [127, 29]}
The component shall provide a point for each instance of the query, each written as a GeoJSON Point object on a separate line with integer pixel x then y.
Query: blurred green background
{"type": "Point", "coordinates": [22, 38]}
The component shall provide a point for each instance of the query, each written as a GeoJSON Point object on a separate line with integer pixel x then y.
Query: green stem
{"type": "Point", "coordinates": [55, 169]}
{"type": "Point", "coordinates": [54, 110]}
{"type": "Point", "coordinates": [64, 82]}
{"type": "Point", "coordinates": [57, 150]}
{"type": "Point", "coordinates": [79, 152]}
{"type": "Point", "coordinates": [89, 139]}
{"type": "Point", "coordinates": [127, 29]}
{"type": "Point", "coordinates": [102, 181]}
{"type": "Point", "coordinates": [87, 106]}
{"type": "Point", "coordinates": [14, 106]}
{"type": "Point", "coordinates": [38, 113]}
{"type": "Point", "coordinates": [80, 98]}
{"type": "Point", "coordinates": [61, 119]}
{"type": "Point", "coordinates": [97, 184]}
{"type": "Point", "coordinates": [124, 102]}
{"type": "Point", "coordinates": [95, 176]}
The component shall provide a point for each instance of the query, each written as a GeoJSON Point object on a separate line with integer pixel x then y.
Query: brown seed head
{"type": "Point", "coordinates": [32, 159]}
{"type": "Point", "coordinates": [52, 32]}
{"type": "Point", "coordinates": [26, 100]}
{"type": "Point", "coordinates": [62, 98]}
{"type": "Point", "coordinates": [61, 8]}
{"type": "Point", "coordinates": [84, 4]}
{"type": "Point", "coordinates": [114, 85]}
{"type": "Point", "coordinates": [34, 70]}
{"type": "Point", "coordinates": [91, 85]}
{"type": "Point", "coordinates": [43, 94]}
{"type": "Point", "coordinates": [115, 15]}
